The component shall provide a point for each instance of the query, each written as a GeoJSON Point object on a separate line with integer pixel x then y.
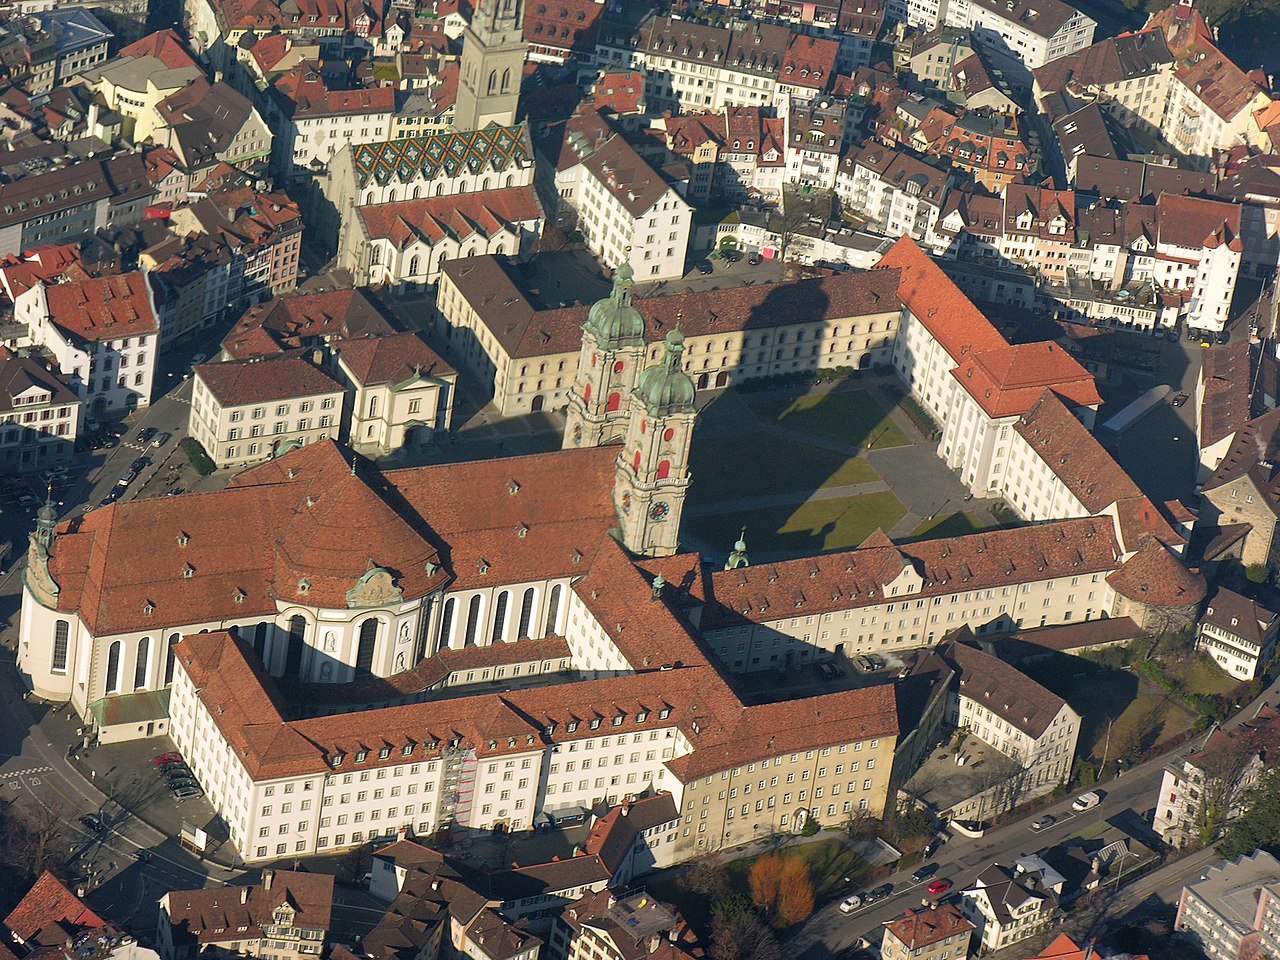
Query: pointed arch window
{"type": "Point", "coordinates": [141, 663]}
{"type": "Point", "coordinates": [526, 614]}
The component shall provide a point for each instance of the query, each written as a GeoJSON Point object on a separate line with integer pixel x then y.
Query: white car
{"type": "Point", "coordinates": [1086, 801]}
{"type": "Point", "coordinates": [851, 903]}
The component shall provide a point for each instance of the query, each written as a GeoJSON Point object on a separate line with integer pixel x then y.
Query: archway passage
{"type": "Point", "coordinates": [537, 403]}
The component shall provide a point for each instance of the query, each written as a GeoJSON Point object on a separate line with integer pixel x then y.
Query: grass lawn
{"type": "Point", "coordinates": [853, 417]}
{"type": "Point", "coordinates": [955, 525]}
{"type": "Point", "coordinates": [1198, 674]}
{"type": "Point", "coordinates": [830, 861]}
{"type": "Point", "coordinates": [754, 465]}
{"type": "Point", "coordinates": [819, 525]}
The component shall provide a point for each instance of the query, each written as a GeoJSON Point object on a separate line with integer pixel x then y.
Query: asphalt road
{"type": "Point", "coordinates": [828, 931]}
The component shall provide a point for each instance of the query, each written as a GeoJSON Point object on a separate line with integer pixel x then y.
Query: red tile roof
{"type": "Point", "coordinates": [1195, 222]}
{"type": "Point", "coordinates": [109, 308]}
{"type": "Point", "coordinates": [47, 903]}
{"type": "Point", "coordinates": [917, 929]}
{"type": "Point", "coordinates": [166, 46]}
{"type": "Point", "coordinates": [234, 913]}
{"type": "Point", "coordinates": [938, 303]}
{"type": "Point", "coordinates": [1008, 381]}
{"type": "Point", "coordinates": [305, 319]}
{"type": "Point", "coordinates": [1154, 576]}
{"type": "Point", "coordinates": [809, 62]}
{"type": "Point", "coordinates": [485, 213]}
{"type": "Point", "coordinates": [394, 359]}
{"type": "Point", "coordinates": [619, 92]}
{"type": "Point", "coordinates": [237, 383]}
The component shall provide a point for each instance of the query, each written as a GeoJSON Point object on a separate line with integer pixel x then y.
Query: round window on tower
{"type": "Point", "coordinates": [668, 434]}
{"type": "Point", "coordinates": [617, 367]}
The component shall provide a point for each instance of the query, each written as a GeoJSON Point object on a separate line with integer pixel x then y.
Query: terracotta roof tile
{"type": "Point", "coordinates": [237, 383]}
{"type": "Point", "coordinates": [1009, 381]}
{"type": "Point", "coordinates": [108, 308]}
{"type": "Point", "coordinates": [393, 359]}
{"type": "Point", "coordinates": [485, 213]}
{"type": "Point", "coordinates": [1153, 575]}
{"type": "Point", "coordinates": [234, 913]}
{"type": "Point", "coordinates": [49, 902]}
{"type": "Point", "coordinates": [305, 319]}
{"type": "Point", "coordinates": [917, 929]}
{"type": "Point", "coordinates": [1003, 689]}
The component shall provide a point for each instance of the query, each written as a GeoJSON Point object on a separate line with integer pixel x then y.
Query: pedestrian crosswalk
{"type": "Point", "coordinates": [19, 773]}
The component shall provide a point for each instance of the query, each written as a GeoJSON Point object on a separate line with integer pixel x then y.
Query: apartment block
{"type": "Point", "coordinates": [1238, 633]}
{"type": "Point", "coordinates": [1233, 910]}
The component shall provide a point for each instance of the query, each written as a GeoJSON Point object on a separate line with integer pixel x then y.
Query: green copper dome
{"type": "Point", "coordinates": [664, 388]}
{"type": "Point", "coordinates": [615, 321]}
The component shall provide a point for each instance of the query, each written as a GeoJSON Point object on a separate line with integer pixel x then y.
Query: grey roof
{"type": "Point", "coordinates": [73, 30]}
{"type": "Point", "coordinates": [1041, 17]}
{"type": "Point", "coordinates": [19, 374]}
{"type": "Point", "coordinates": [1238, 615]}
{"type": "Point", "coordinates": [1008, 891]}
{"type": "Point", "coordinates": [1231, 889]}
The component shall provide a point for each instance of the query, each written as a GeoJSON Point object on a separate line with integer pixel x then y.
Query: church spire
{"type": "Point", "coordinates": [738, 558]}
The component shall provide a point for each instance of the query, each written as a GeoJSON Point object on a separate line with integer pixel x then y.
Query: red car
{"type": "Point", "coordinates": [167, 758]}
{"type": "Point", "coordinates": [938, 887]}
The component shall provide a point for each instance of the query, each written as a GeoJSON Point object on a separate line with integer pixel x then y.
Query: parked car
{"type": "Point", "coordinates": [91, 821]}
{"type": "Point", "coordinates": [938, 887]}
{"type": "Point", "coordinates": [187, 793]}
{"type": "Point", "coordinates": [198, 358]}
{"type": "Point", "coordinates": [111, 497]}
{"type": "Point", "coordinates": [145, 435]}
{"type": "Point", "coordinates": [164, 758]}
{"type": "Point", "coordinates": [878, 894]}
{"type": "Point", "coordinates": [140, 464]}
{"type": "Point", "coordinates": [1086, 801]}
{"type": "Point", "coordinates": [162, 439]}
{"type": "Point", "coordinates": [181, 783]}
{"type": "Point", "coordinates": [925, 872]}
{"type": "Point", "coordinates": [143, 856]}
{"type": "Point", "coordinates": [851, 903]}
{"type": "Point", "coordinates": [1180, 399]}
{"type": "Point", "coordinates": [755, 259]}
{"type": "Point", "coordinates": [29, 501]}
{"type": "Point", "coordinates": [1043, 823]}
{"type": "Point", "coordinates": [705, 267]}
{"type": "Point", "coordinates": [1172, 336]}
{"type": "Point", "coordinates": [1224, 336]}
{"type": "Point", "coordinates": [178, 771]}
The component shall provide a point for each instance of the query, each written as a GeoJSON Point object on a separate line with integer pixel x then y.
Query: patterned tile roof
{"type": "Point", "coordinates": [493, 149]}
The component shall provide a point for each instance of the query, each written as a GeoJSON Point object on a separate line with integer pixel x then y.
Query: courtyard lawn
{"type": "Point", "coordinates": [758, 465]}
{"type": "Point", "coordinates": [815, 526]}
{"type": "Point", "coordinates": [953, 525]}
{"type": "Point", "coordinates": [854, 417]}
{"type": "Point", "coordinates": [1199, 674]}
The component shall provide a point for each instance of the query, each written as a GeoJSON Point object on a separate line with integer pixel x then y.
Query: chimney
{"type": "Point", "coordinates": [626, 807]}
{"type": "Point", "coordinates": [317, 357]}
{"type": "Point", "coordinates": [267, 877]}
{"type": "Point", "coordinates": [244, 893]}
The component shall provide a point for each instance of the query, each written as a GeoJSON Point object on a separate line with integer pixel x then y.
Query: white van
{"type": "Point", "coordinates": [1086, 801]}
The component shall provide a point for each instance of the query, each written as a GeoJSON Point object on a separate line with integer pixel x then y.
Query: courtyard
{"type": "Point", "coordinates": [816, 468]}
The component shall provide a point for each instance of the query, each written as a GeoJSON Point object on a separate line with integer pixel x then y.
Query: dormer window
{"type": "Point", "coordinates": [384, 753]}
{"type": "Point", "coordinates": [304, 586]}
{"type": "Point", "coordinates": [571, 726]}
{"type": "Point", "coordinates": [595, 723]}
{"type": "Point", "coordinates": [361, 756]}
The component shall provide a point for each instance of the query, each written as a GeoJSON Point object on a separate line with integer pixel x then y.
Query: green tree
{"type": "Point", "coordinates": [1259, 825]}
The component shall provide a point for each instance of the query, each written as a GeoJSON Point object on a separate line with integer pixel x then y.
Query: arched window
{"type": "Point", "coordinates": [553, 611]}
{"type": "Point", "coordinates": [417, 192]}
{"type": "Point", "coordinates": [439, 189]}
{"type": "Point", "coordinates": [586, 394]}
{"type": "Point", "coordinates": [364, 651]}
{"type": "Point", "coordinates": [141, 663]}
{"type": "Point", "coordinates": [664, 469]}
{"type": "Point", "coordinates": [615, 402]}
{"type": "Point", "coordinates": [414, 263]}
{"type": "Point", "coordinates": [113, 667]}
{"type": "Point", "coordinates": [484, 184]}
{"type": "Point", "coordinates": [510, 180]}
{"type": "Point", "coordinates": [391, 195]}
{"type": "Point", "coordinates": [506, 80]}
{"type": "Point", "coordinates": [171, 657]}
{"type": "Point", "coordinates": [260, 631]}
{"type": "Point", "coordinates": [500, 616]}
{"type": "Point", "coordinates": [446, 624]}
{"type": "Point", "coordinates": [61, 640]}
{"type": "Point", "coordinates": [493, 82]}
{"type": "Point", "coordinates": [473, 621]}
{"type": "Point", "coordinates": [297, 638]}
{"type": "Point", "coordinates": [368, 197]}
{"type": "Point", "coordinates": [526, 614]}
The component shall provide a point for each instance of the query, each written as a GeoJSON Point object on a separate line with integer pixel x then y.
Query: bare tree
{"type": "Point", "coordinates": [1226, 765]}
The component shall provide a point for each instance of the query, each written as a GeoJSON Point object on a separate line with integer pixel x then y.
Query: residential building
{"type": "Point", "coordinates": [1233, 910]}
{"type": "Point", "coordinates": [102, 333]}
{"type": "Point", "coordinates": [210, 123]}
{"type": "Point", "coordinates": [563, 33]}
{"type": "Point", "coordinates": [313, 122]}
{"type": "Point", "coordinates": [39, 415]}
{"type": "Point", "coordinates": [1006, 709]}
{"type": "Point", "coordinates": [808, 70]}
{"type": "Point", "coordinates": [305, 320]}
{"type": "Point", "coordinates": [134, 86]}
{"type": "Point", "coordinates": [737, 153]}
{"type": "Point", "coordinates": [691, 67]}
{"type": "Point", "coordinates": [245, 411]}
{"type": "Point", "coordinates": [1008, 906]}
{"type": "Point", "coordinates": [611, 927]}
{"type": "Point", "coordinates": [1212, 102]}
{"type": "Point", "coordinates": [1022, 36]}
{"type": "Point", "coordinates": [936, 51]}
{"type": "Point", "coordinates": [1242, 487]}
{"type": "Point", "coordinates": [86, 196]}
{"type": "Point", "coordinates": [937, 932]}
{"type": "Point", "coordinates": [899, 194]}
{"type": "Point", "coordinates": [79, 41]}
{"type": "Point", "coordinates": [404, 244]}
{"type": "Point", "coordinates": [1239, 633]}
{"type": "Point", "coordinates": [627, 210]}
{"type": "Point", "coordinates": [49, 909]}
{"type": "Point", "coordinates": [287, 914]}
{"type": "Point", "coordinates": [815, 138]}
{"type": "Point", "coordinates": [1219, 773]}
{"type": "Point", "coordinates": [401, 392]}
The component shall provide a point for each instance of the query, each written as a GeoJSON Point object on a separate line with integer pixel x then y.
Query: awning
{"type": "Point", "coordinates": [131, 708]}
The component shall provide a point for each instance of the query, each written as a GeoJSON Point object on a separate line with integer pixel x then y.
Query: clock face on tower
{"type": "Point", "coordinates": [659, 511]}
{"type": "Point", "coordinates": [626, 503]}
